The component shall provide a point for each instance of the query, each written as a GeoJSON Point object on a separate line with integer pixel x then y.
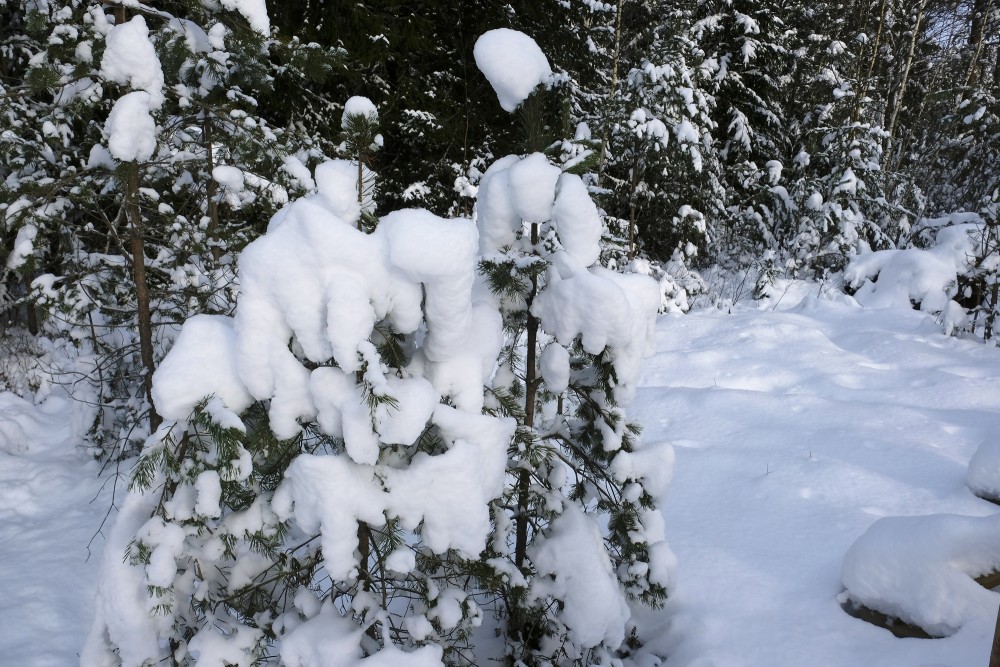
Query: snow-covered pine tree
{"type": "Point", "coordinates": [575, 337]}
{"type": "Point", "coordinates": [155, 139]}
{"type": "Point", "coordinates": [326, 499]}
{"type": "Point", "coordinates": [662, 168]}
{"type": "Point", "coordinates": [832, 194]}
{"type": "Point", "coordinates": [746, 49]}
{"type": "Point", "coordinates": [348, 470]}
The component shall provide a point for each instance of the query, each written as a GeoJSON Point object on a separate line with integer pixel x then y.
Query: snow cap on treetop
{"type": "Point", "coordinates": [359, 106]}
{"type": "Point", "coordinates": [513, 64]}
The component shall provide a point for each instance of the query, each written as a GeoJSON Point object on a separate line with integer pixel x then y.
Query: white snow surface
{"type": "Point", "coordinates": [795, 429]}
{"type": "Point", "coordinates": [52, 501]}
{"type": "Point", "coordinates": [513, 63]}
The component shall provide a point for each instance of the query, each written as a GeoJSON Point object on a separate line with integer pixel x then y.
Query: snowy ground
{"type": "Point", "coordinates": [795, 429]}
{"type": "Point", "coordinates": [51, 504]}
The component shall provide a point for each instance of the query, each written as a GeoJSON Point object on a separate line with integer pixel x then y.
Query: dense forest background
{"type": "Point", "coordinates": [736, 139]}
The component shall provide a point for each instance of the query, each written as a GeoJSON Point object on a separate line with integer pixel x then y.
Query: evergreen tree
{"type": "Point", "coordinates": [139, 182]}
{"type": "Point", "coordinates": [401, 435]}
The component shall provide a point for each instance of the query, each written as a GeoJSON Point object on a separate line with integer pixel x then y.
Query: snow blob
{"type": "Point", "coordinates": [129, 59]}
{"type": "Point", "coordinates": [130, 128]}
{"type": "Point", "coordinates": [513, 64]}
{"type": "Point", "coordinates": [359, 106]}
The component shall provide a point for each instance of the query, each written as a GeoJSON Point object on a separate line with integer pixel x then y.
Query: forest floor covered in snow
{"type": "Point", "coordinates": [796, 423]}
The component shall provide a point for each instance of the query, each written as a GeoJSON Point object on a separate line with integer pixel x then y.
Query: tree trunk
{"type": "Point", "coordinates": [530, 392]}
{"type": "Point", "coordinates": [615, 56]}
{"type": "Point", "coordinates": [856, 112]}
{"type": "Point", "coordinates": [981, 10]}
{"type": "Point", "coordinates": [897, 99]}
{"type": "Point", "coordinates": [211, 189]}
{"type": "Point", "coordinates": [141, 288]}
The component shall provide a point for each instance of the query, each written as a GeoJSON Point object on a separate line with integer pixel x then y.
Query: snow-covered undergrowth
{"type": "Point", "coordinates": [796, 429]}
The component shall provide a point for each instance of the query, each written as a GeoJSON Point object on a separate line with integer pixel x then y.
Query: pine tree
{"type": "Point", "coordinates": [369, 459]}
{"type": "Point", "coordinates": [139, 178]}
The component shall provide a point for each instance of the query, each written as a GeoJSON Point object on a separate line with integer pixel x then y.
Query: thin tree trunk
{"type": "Point", "coordinates": [141, 288]}
{"type": "Point", "coordinates": [211, 189]}
{"type": "Point", "coordinates": [615, 56]}
{"type": "Point", "coordinates": [871, 66]}
{"type": "Point", "coordinates": [361, 190]}
{"type": "Point", "coordinates": [530, 392]}
{"type": "Point", "coordinates": [901, 91]}
{"type": "Point", "coordinates": [981, 11]}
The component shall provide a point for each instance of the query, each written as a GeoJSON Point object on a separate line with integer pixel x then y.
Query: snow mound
{"type": "Point", "coordinates": [926, 278]}
{"type": "Point", "coordinates": [920, 569]}
{"type": "Point", "coordinates": [983, 477]}
{"type": "Point", "coordinates": [513, 64]}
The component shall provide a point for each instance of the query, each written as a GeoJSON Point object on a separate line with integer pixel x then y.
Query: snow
{"type": "Point", "coordinates": [330, 640]}
{"type": "Point", "coordinates": [327, 284]}
{"type": "Point", "coordinates": [332, 494]}
{"type": "Point", "coordinates": [513, 63]}
{"type": "Point", "coordinates": [795, 429]}
{"type": "Point", "coordinates": [231, 178]}
{"type": "Point", "coordinates": [24, 247]}
{"type": "Point", "coordinates": [928, 278]}
{"type": "Point", "coordinates": [129, 59]}
{"type": "Point", "coordinates": [573, 553]}
{"type": "Point", "coordinates": [254, 11]}
{"type": "Point", "coordinates": [337, 181]}
{"type": "Point", "coordinates": [799, 429]}
{"type": "Point", "coordinates": [532, 187]}
{"type": "Point", "coordinates": [359, 106]}
{"type": "Point", "coordinates": [554, 365]}
{"type": "Point", "coordinates": [983, 477]}
{"type": "Point", "coordinates": [576, 220]}
{"type": "Point", "coordinates": [51, 504]}
{"type": "Point", "coordinates": [201, 364]}
{"type": "Point", "coordinates": [130, 128]}
{"type": "Point", "coordinates": [920, 569]}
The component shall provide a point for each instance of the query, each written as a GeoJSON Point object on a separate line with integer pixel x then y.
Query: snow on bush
{"type": "Point", "coordinates": [920, 569]}
{"type": "Point", "coordinates": [924, 278]}
{"type": "Point", "coordinates": [513, 64]}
